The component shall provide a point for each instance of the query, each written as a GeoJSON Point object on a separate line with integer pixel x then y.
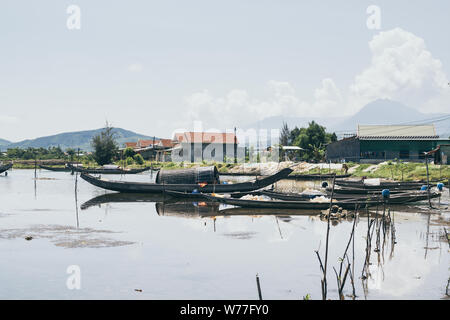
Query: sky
{"type": "Point", "coordinates": [156, 66]}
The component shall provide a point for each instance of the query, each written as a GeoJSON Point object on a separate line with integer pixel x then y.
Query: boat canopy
{"type": "Point", "coordinates": [209, 175]}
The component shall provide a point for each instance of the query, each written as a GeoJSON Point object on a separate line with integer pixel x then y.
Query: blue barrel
{"type": "Point", "coordinates": [195, 191]}
{"type": "Point", "coordinates": [440, 186]}
{"type": "Point", "coordinates": [423, 188]}
{"type": "Point", "coordinates": [385, 193]}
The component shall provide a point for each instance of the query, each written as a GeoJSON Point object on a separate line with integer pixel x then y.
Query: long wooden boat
{"type": "Point", "coordinates": [372, 189]}
{"type": "Point", "coordinates": [399, 197]}
{"type": "Point", "coordinates": [108, 171]}
{"type": "Point", "coordinates": [345, 204]}
{"type": "Point", "coordinates": [199, 196]}
{"type": "Point", "coordinates": [5, 167]}
{"type": "Point", "coordinates": [316, 176]}
{"type": "Point", "coordinates": [143, 187]}
{"type": "Point", "coordinates": [57, 169]}
{"type": "Point", "coordinates": [382, 185]}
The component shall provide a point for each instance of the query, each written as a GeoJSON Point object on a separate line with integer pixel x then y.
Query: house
{"type": "Point", "coordinates": [202, 146]}
{"type": "Point", "coordinates": [378, 143]}
{"type": "Point", "coordinates": [153, 149]}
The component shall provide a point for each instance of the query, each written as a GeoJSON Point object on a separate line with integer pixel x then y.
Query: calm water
{"type": "Point", "coordinates": [178, 250]}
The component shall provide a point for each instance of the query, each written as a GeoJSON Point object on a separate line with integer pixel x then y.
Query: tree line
{"type": "Point", "coordinates": [312, 140]}
{"type": "Point", "coordinates": [105, 151]}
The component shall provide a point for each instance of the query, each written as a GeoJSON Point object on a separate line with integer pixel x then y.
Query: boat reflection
{"type": "Point", "coordinates": [118, 197]}
{"type": "Point", "coordinates": [182, 207]}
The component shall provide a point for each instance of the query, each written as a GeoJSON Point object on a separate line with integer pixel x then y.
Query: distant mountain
{"type": "Point", "coordinates": [380, 111]}
{"type": "Point", "coordinates": [79, 139]}
{"type": "Point", "coordinates": [383, 111]}
{"type": "Point", "coordinates": [4, 142]}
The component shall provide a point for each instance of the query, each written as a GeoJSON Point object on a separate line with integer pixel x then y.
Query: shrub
{"type": "Point", "coordinates": [129, 152]}
{"type": "Point", "coordinates": [129, 161]}
{"type": "Point", "coordinates": [138, 159]}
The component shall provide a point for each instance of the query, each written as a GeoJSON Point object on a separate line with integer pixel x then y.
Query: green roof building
{"type": "Point", "coordinates": [378, 143]}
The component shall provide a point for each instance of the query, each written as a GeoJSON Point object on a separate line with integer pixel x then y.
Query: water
{"type": "Point", "coordinates": [181, 251]}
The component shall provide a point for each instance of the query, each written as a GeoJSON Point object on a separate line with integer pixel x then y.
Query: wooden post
{"type": "Point", "coordinates": [324, 281]}
{"type": "Point", "coordinates": [35, 166]}
{"type": "Point", "coordinates": [235, 146]}
{"type": "Point", "coordinates": [428, 179]}
{"type": "Point", "coordinates": [259, 287]}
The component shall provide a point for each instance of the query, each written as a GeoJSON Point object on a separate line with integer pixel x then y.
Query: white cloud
{"type": "Point", "coordinates": [135, 67]}
{"type": "Point", "coordinates": [401, 69]}
{"type": "Point", "coordinates": [237, 104]}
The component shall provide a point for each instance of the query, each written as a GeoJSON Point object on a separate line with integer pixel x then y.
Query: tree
{"type": "Point", "coordinates": [138, 159]}
{"type": "Point", "coordinates": [313, 139]}
{"type": "Point", "coordinates": [71, 153]}
{"type": "Point", "coordinates": [105, 146]}
{"type": "Point", "coordinates": [285, 135]}
{"type": "Point", "coordinates": [128, 152]}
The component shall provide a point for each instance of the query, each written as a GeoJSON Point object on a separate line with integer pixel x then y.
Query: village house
{"type": "Point", "coordinates": [378, 143]}
{"type": "Point", "coordinates": [153, 149]}
{"type": "Point", "coordinates": [206, 146]}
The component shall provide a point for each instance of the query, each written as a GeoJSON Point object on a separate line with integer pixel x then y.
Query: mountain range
{"type": "Point", "coordinates": [79, 139]}
{"type": "Point", "coordinates": [380, 111]}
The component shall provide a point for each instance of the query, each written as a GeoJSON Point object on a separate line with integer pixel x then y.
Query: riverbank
{"type": "Point", "coordinates": [402, 171]}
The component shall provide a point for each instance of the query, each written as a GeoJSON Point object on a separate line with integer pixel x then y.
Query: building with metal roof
{"type": "Point", "coordinates": [378, 143]}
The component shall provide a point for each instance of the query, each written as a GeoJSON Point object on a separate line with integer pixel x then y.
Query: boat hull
{"type": "Point", "coordinates": [142, 187]}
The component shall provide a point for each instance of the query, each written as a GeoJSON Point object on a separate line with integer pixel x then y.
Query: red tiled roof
{"type": "Point", "coordinates": [205, 137]}
{"type": "Point", "coordinates": [166, 143]}
{"type": "Point", "coordinates": [130, 144]}
{"type": "Point", "coordinates": [146, 143]}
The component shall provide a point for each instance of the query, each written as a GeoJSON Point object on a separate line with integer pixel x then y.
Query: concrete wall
{"type": "Point", "coordinates": [343, 150]}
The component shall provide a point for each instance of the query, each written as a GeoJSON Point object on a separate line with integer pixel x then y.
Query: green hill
{"type": "Point", "coordinates": [79, 139]}
{"type": "Point", "coordinates": [4, 142]}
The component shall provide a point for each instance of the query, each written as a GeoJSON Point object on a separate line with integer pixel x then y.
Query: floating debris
{"type": "Point", "coordinates": [65, 236]}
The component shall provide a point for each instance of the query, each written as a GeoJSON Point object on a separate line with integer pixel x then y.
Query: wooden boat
{"type": "Point", "coordinates": [382, 185]}
{"type": "Point", "coordinates": [236, 174]}
{"type": "Point", "coordinates": [199, 196]}
{"type": "Point", "coordinates": [372, 189]}
{"type": "Point", "coordinates": [399, 197]}
{"type": "Point", "coordinates": [4, 168]}
{"type": "Point", "coordinates": [345, 204]}
{"type": "Point", "coordinates": [143, 187]}
{"type": "Point", "coordinates": [313, 176]}
{"type": "Point", "coordinates": [108, 171]}
{"type": "Point", "coordinates": [316, 176]}
{"type": "Point", "coordinates": [57, 169]}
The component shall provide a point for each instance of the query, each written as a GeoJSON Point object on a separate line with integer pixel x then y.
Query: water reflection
{"type": "Point", "coordinates": [152, 247]}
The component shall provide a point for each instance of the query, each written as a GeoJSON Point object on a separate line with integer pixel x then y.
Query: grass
{"type": "Point", "coordinates": [406, 171]}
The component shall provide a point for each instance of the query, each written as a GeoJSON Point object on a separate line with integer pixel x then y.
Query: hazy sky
{"type": "Point", "coordinates": [154, 66]}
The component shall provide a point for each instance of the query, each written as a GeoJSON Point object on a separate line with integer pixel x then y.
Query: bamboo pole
{"type": "Point", "coordinates": [259, 287]}
{"type": "Point", "coordinates": [428, 179]}
{"type": "Point", "coordinates": [324, 281]}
